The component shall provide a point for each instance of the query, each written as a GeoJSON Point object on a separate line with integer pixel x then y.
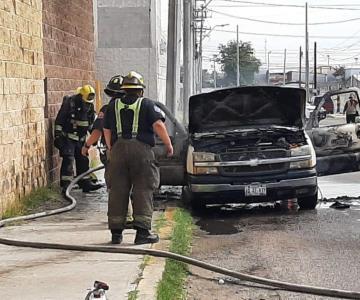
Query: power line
{"type": "Point", "coordinates": [265, 4]}
{"type": "Point", "coordinates": [283, 23]}
{"type": "Point", "coordinates": [333, 6]}
{"type": "Point", "coordinates": [287, 35]}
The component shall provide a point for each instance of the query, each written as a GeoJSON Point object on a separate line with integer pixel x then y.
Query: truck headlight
{"type": "Point", "coordinates": [205, 170]}
{"type": "Point", "coordinates": [203, 156]}
{"type": "Point", "coordinates": [302, 151]}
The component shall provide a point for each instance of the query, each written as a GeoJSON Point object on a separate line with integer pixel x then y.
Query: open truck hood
{"type": "Point", "coordinates": [247, 106]}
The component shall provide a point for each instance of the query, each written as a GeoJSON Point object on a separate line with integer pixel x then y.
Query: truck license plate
{"type": "Point", "coordinates": [255, 190]}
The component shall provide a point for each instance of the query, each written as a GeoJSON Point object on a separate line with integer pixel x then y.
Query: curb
{"type": "Point", "coordinates": [152, 273]}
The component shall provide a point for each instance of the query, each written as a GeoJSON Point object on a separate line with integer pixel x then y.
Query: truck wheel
{"type": "Point", "coordinates": [186, 195]}
{"type": "Point", "coordinates": [308, 202]}
{"type": "Point", "coordinates": [198, 205]}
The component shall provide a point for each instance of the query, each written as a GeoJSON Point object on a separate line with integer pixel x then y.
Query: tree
{"type": "Point", "coordinates": [249, 64]}
{"type": "Point", "coordinates": [340, 74]}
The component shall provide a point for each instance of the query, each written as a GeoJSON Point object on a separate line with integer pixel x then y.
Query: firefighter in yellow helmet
{"type": "Point", "coordinates": [72, 123]}
{"type": "Point", "coordinates": [130, 125]}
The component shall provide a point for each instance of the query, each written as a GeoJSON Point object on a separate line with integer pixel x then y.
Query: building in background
{"type": "Point", "coordinates": [128, 37]}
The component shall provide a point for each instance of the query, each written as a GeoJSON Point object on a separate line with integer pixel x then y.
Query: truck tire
{"type": "Point", "coordinates": [198, 205]}
{"type": "Point", "coordinates": [187, 197]}
{"type": "Point", "coordinates": [308, 202]}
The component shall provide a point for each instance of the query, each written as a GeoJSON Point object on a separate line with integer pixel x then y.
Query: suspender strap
{"type": "Point", "coordinates": [135, 107]}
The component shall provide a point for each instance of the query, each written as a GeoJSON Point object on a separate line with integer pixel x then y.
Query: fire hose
{"type": "Point", "coordinates": [306, 289]}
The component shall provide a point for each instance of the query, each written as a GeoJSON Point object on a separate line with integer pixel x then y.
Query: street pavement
{"type": "Point", "coordinates": [319, 247]}
{"type": "Point", "coordinates": [334, 119]}
{"type": "Point", "coordinates": [33, 274]}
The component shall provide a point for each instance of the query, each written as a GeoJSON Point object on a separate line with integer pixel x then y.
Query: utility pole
{"type": "Point", "coordinates": [214, 72]}
{"type": "Point", "coordinates": [237, 57]}
{"type": "Point", "coordinates": [315, 67]}
{"type": "Point", "coordinates": [284, 71]}
{"type": "Point", "coordinates": [173, 58]}
{"type": "Point", "coordinates": [306, 54]}
{"type": "Point", "coordinates": [268, 61]}
{"type": "Point", "coordinates": [300, 58]}
{"type": "Point", "coordinates": [188, 58]}
{"type": "Point", "coordinates": [200, 47]}
{"type": "Point", "coordinates": [265, 50]}
{"type": "Point", "coordinates": [202, 15]}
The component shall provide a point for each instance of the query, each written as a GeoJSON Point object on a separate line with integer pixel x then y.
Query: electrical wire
{"type": "Point", "coordinates": [333, 6]}
{"type": "Point", "coordinates": [283, 23]}
{"type": "Point", "coordinates": [286, 35]}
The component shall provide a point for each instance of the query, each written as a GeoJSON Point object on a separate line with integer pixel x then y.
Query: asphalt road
{"type": "Point", "coordinates": [330, 120]}
{"type": "Point", "coordinates": [319, 247]}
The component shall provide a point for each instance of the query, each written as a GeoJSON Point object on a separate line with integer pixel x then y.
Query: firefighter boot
{"type": "Point", "coordinates": [88, 186]}
{"type": "Point", "coordinates": [116, 236]}
{"type": "Point", "coordinates": [144, 236]}
{"type": "Point", "coordinates": [64, 185]}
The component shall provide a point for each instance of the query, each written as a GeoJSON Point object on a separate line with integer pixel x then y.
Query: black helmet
{"type": "Point", "coordinates": [114, 86]}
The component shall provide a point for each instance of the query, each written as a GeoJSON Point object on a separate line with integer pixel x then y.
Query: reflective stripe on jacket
{"type": "Point", "coordinates": [135, 107]}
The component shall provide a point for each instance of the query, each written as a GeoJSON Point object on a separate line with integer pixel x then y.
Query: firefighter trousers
{"type": "Point", "coordinates": [70, 153]}
{"type": "Point", "coordinates": [132, 167]}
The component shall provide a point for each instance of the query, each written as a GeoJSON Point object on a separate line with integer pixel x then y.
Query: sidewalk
{"type": "Point", "coordinates": [333, 186]}
{"type": "Point", "coordinates": [34, 274]}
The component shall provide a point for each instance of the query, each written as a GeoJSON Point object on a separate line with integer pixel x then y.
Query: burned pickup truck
{"type": "Point", "coordinates": [337, 144]}
{"type": "Point", "coordinates": [244, 145]}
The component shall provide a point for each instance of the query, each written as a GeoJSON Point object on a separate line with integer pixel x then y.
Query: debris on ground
{"type": "Point", "coordinates": [339, 205]}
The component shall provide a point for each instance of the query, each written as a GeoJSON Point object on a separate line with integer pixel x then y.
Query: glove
{"type": "Point", "coordinates": [59, 139]}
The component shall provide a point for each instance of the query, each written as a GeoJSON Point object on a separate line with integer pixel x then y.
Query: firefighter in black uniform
{"type": "Point", "coordinates": [113, 90]}
{"type": "Point", "coordinates": [72, 123]}
{"type": "Point", "coordinates": [129, 126]}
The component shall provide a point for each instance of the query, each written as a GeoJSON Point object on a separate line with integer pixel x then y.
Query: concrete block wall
{"type": "Point", "coordinates": [22, 130]}
{"type": "Point", "coordinates": [135, 44]}
{"type": "Point", "coordinates": [69, 60]}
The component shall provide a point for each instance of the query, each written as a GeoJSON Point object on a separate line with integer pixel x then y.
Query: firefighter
{"type": "Point", "coordinates": [129, 126]}
{"type": "Point", "coordinates": [113, 90]}
{"type": "Point", "coordinates": [72, 123]}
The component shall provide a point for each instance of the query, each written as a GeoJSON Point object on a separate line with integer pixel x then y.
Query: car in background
{"type": "Point", "coordinates": [327, 102]}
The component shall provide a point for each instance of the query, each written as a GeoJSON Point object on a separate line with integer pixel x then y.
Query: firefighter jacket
{"type": "Point", "coordinates": [75, 118]}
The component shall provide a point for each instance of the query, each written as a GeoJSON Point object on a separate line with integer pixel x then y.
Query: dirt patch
{"type": "Point", "coordinates": [50, 204]}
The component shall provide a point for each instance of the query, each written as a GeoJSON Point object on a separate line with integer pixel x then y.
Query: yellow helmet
{"type": "Point", "coordinates": [87, 93]}
{"type": "Point", "coordinates": [133, 80]}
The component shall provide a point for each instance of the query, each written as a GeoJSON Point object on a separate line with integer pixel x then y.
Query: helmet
{"type": "Point", "coordinates": [133, 80]}
{"type": "Point", "coordinates": [114, 86]}
{"type": "Point", "coordinates": [87, 93]}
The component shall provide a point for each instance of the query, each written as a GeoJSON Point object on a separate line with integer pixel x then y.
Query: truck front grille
{"type": "Point", "coordinates": [254, 170]}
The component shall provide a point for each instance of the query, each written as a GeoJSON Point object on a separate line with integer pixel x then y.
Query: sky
{"type": "Point", "coordinates": [337, 43]}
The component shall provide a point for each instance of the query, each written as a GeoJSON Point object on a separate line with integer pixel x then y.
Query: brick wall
{"type": "Point", "coordinates": [68, 58]}
{"type": "Point", "coordinates": [22, 138]}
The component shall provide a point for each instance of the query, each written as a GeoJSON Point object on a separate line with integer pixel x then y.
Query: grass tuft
{"type": "Point", "coordinates": [171, 286]}
{"type": "Point", "coordinates": [160, 222]}
{"type": "Point", "coordinates": [133, 295]}
{"type": "Point", "coordinates": [26, 204]}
